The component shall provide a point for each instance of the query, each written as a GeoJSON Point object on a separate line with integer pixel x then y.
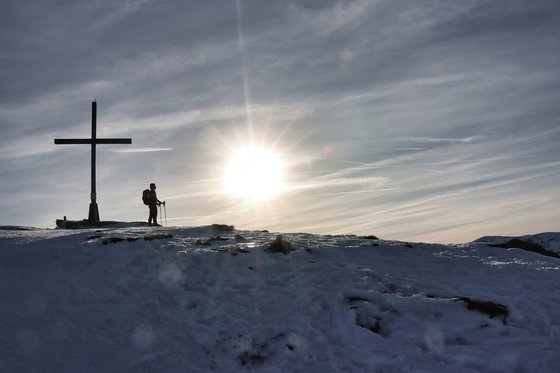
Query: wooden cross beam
{"type": "Point", "coordinates": [93, 215]}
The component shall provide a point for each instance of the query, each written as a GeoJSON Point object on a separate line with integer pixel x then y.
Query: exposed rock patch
{"type": "Point", "coordinates": [280, 245]}
{"type": "Point", "coordinates": [524, 245]}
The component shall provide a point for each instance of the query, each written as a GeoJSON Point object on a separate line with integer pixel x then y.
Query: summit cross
{"type": "Point", "coordinates": [93, 215]}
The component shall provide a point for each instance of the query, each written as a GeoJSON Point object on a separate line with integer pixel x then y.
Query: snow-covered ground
{"type": "Point", "coordinates": [205, 299]}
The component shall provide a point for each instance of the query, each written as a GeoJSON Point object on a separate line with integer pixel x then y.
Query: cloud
{"type": "Point", "coordinates": [324, 21]}
{"type": "Point", "coordinates": [395, 116]}
{"type": "Point", "coordinates": [442, 140]}
{"type": "Point", "coordinates": [141, 150]}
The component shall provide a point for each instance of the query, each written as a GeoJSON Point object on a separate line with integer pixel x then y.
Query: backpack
{"type": "Point", "coordinates": [146, 196]}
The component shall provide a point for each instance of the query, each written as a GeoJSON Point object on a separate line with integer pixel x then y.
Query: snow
{"type": "Point", "coordinates": [204, 299]}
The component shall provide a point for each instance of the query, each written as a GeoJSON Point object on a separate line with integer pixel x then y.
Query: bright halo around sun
{"type": "Point", "coordinates": [255, 174]}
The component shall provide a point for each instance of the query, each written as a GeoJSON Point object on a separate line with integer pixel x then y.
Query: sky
{"type": "Point", "coordinates": [428, 121]}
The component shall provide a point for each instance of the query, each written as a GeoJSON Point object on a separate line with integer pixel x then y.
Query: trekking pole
{"type": "Point", "coordinates": [160, 217]}
{"type": "Point", "coordinates": [165, 212]}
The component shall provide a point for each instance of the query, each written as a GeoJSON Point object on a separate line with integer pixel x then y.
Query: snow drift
{"type": "Point", "coordinates": [213, 299]}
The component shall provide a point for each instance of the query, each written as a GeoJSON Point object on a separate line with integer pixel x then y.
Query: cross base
{"type": "Point", "coordinates": [93, 216]}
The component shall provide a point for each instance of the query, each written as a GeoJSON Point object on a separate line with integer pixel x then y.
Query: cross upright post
{"type": "Point", "coordinates": [93, 209]}
{"type": "Point", "coordinates": [93, 215]}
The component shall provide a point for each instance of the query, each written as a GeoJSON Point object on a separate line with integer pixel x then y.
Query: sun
{"type": "Point", "coordinates": [254, 173]}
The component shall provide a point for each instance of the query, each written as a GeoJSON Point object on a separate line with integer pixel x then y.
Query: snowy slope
{"type": "Point", "coordinates": [137, 300]}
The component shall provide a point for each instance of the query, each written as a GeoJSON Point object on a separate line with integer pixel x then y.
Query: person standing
{"type": "Point", "coordinates": [153, 202]}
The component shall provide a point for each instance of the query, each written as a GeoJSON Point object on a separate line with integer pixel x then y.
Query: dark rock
{"type": "Point", "coordinates": [355, 298]}
{"type": "Point", "coordinates": [232, 250]}
{"type": "Point", "coordinates": [157, 236]}
{"type": "Point", "coordinates": [524, 245]}
{"type": "Point", "coordinates": [280, 245]}
{"type": "Point", "coordinates": [223, 227]}
{"type": "Point", "coordinates": [116, 239]}
{"type": "Point", "coordinates": [248, 358]}
{"type": "Point", "coordinates": [209, 241]}
{"type": "Point", "coordinates": [370, 237]}
{"type": "Point", "coordinates": [371, 325]}
{"type": "Point", "coordinates": [489, 308]}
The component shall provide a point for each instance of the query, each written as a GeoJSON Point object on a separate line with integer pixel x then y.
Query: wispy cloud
{"type": "Point", "coordinates": [464, 140]}
{"type": "Point", "coordinates": [141, 150]}
{"type": "Point", "coordinates": [433, 121]}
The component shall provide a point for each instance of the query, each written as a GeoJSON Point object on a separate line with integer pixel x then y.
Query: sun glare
{"type": "Point", "coordinates": [254, 174]}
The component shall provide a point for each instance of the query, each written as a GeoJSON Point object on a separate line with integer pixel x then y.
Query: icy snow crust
{"type": "Point", "coordinates": [205, 301]}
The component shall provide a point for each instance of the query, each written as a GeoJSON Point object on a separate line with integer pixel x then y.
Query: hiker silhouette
{"type": "Point", "coordinates": [149, 197]}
